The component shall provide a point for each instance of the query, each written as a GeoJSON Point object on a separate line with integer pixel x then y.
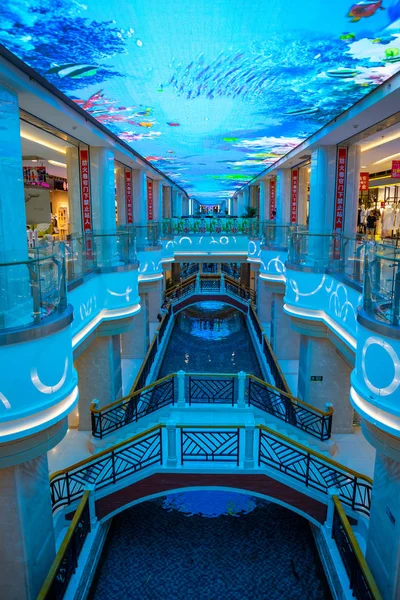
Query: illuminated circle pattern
{"type": "Point", "coordinates": [392, 387]}
{"type": "Point", "coordinates": [211, 93]}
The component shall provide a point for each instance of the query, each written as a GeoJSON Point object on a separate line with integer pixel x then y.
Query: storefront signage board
{"type": "Point", "coordinates": [149, 199]}
{"type": "Point", "coordinates": [85, 189]}
{"type": "Point", "coordinates": [395, 169]}
{"type": "Point", "coordinates": [341, 171]}
{"type": "Point", "coordinates": [295, 195]}
{"type": "Point", "coordinates": [364, 182]}
{"type": "Point", "coordinates": [272, 198]}
{"type": "Point", "coordinates": [128, 197]}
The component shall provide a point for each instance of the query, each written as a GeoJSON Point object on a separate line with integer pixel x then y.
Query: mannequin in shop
{"type": "Point", "coordinates": [388, 215]}
{"type": "Point", "coordinates": [362, 218]}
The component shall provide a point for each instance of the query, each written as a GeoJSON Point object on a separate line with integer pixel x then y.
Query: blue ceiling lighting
{"type": "Point", "coordinates": [210, 91]}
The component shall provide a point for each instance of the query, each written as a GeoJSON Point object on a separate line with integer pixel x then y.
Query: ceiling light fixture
{"type": "Point", "coordinates": [32, 138]}
{"type": "Point", "coordinates": [383, 140]}
{"type": "Point", "coordinates": [57, 164]}
{"type": "Point", "coordinates": [378, 162]}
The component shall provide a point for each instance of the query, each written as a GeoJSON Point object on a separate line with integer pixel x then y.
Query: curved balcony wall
{"type": "Point", "coordinates": [38, 384]}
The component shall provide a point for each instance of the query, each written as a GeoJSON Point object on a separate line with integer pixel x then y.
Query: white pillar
{"type": "Point", "coordinates": [157, 200]}
{"type": "Point", "coordinates": [352, 190]}
{"type": "Point", "coordinates": [139, 196]}
{"type": "Point", "coordinates": [121, 199]}
{"type": "Point", "coordinates": [13, 242]}
{"type": "Point", "coordinates": [283, 191]}
{"type": "Point", "coordinates": [303, 195]}
{"type": "Point", "coordinates": [27, 546]}
{"type": "Point", "coordinates": [240, 206]}
{"type": "Point", "coordinates": [99, 376]}
{"type": "Point", "coordinates": [285, 341]}
{"type": "Point", "coordinates": [249, 445]}
{"type": "Point", "coordinates": [135, 341]}
{"type": "Point", "coordinates": [171, 444]}
{"type": "Point", "coordinates": [167, 210]}
{"type": "Point", "coordinates": [102, 189]}
{"type": "Point", "coordinates": [322, 189]}
{"type": "Point", "coordinates": [264, 199]}
{"type": "Point", "coordinates": [74, 191]}
{"type": "Point", "coordinates": [318, 357]}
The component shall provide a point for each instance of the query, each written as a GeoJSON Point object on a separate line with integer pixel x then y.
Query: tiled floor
{"type": "Point", "coordinates": [161, 553]}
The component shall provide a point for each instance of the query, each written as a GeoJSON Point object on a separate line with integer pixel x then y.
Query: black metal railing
{"type": "Point", "coordinates": [272, 362]}
{"type": "Point", "coordinates": [231, 271]}
{"type": "Point", "coordinates": [164, 324]}
{"type": "Point", "coordinates": [215, 445]}
{"type": "Point", "coordinates": [189, 269]}
{"type": "Point", "coordinates": [234, 287]}
{"type": "Point", "coordinates": [129, 410]}
{"type": "Point", "coordinates": [66, 560]}
{"type": "Point", "coordinates": [186, 288]}
{"type": "Point", "coordinates": [210, 268]}
{"type": "Point", "coordinates": [289, 409]}
{"type": "Point", "coordinates": [210, 389]}
{"type": "Point", "coordinates": [256, 324]}
{"type": "Point", "coordinates": [293, 459]}
{"type": "Point", "coordinates": [210, 284]}
{"type": "Point", "coordinates": [107, 467]}
{"type": "Point", "coordinates": [361, 580]}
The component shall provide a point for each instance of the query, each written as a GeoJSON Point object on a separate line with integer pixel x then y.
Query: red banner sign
{"type": "Point", "coordinates": [128, 197]}
{"type": "Point", "coordinates": [364, 182]}
{"type": "Point", "coordinates": [149, 199]}
{"type": "Point", "coordinates": [272, 199]}
{"type": "Point", "coordinates": [395, 169]}
{"type": "Point", "coordinates": [295, 195]}
{"type": "Point", "coordinates": [341, 171]}
{"type": "Point", "coordinates": [85, 187]}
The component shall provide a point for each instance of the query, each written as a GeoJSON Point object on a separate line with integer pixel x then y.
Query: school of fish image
{"type": "Point", "coordinates": [218, 108]}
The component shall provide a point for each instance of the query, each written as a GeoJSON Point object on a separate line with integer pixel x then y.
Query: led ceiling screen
{"type": "Point", "coordinates": [210, 91]}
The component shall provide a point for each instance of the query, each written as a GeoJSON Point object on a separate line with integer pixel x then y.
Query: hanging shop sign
{"type": "Point", "coordinates": [395, 169]}
{"type": "Point", "coordinates": [272, 199]}
{"type": "Point", "coordinates": [364, 182]}
{"type": "Point", "coordinates": [149, 199]}
{"type": "Point", "coordinates": [85, 187]}
{"type": "Point", "coordinates": [128, 197]}
{"type": "Point", "coordinates": [341, 171]}
{"type": "Point", "coordinates": [295, 195]}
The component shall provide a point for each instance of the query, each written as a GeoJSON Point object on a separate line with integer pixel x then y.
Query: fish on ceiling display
{"type": "Point", "coordinates": [247, 82]}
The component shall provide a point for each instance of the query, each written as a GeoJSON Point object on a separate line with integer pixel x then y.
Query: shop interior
{"type": "Point", "coordinates": [45, 182]}
{"type": "Point", "coordinates": [379, 190]}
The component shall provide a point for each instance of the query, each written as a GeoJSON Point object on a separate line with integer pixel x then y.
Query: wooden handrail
{"type": "Point", "coordinates": [357, 550]}
{"type": "Point", "coordinates": [63, 548]}
{"type": "Point", "coordinates": [293, 399]}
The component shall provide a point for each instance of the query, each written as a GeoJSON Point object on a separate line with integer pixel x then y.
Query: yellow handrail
{"type": "Point", "coordinates": [181, 284]}
{"type": "Point", "coordinates": [63, 548]}
{"type": "Point", "coordinates": [272, 432]}
{"type": "Point", "coordinates": [127, 398]}
{"type": "Point", "coordinates": [357, 550]}
{"type": "Point", "coordinates": [293, 398]}
{"type": "Point", "coordinates": [318, 455]}
{"type": "Point", "coordinates": [266, 341]}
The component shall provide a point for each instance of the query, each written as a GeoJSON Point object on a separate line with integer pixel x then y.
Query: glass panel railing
{"type": "Point", "coordinates": [33, 290]}
{"type": "Point", "coordinates": [212, 225]}
{"type": "Point", "coordinates": [382, 283]}
{"type": "Point", "coordinates": [273, 235]}
{"type": "Point", "coordinates": [147, 236]}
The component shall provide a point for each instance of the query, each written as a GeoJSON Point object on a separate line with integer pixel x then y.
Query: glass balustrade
{"type": "Point", "coordinates": [278, 236]}
{"type": "Point", "coordinates": [32, 290]}
{"type": "Point", "coordinates": [382, 283]}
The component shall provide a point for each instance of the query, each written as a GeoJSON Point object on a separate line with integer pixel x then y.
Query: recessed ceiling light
{"type": "Point", "coordinates": [364, 167]}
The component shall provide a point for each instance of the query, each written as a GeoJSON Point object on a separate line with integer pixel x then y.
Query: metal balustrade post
{"type": "Point", "coordinates": [241, 389]}
{"type": "Point", "coordinates": [171, 444]}
{"type": "Point", "coordinates": [197, 288]}
{"type": "Point", "coordinates": [330, 513]}
{"type": "Point", "coordinates": [91, 487]}
{"type": "Point", "coordinates": [249, 445]}
{"type": "Point", "coordinates": [222, 288]}
{"type": "Point", "coordinates": [181, 388]}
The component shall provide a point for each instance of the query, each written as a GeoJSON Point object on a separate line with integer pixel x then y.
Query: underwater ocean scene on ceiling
{"type": "Point", "coordinates": [210, 91]}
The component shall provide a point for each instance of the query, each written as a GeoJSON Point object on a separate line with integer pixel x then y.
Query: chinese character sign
{"type": "Point", "coordinates": [272, 198]}
{"type": "Point", "coordinates": [341, 171]}
{"type": "Point", "coordinates": [396, 169]}
{"type": "Point", "coordinates": [295, 195]}
{"type": "Point", "coordinates": [85, 188]}
{"type": "Point", "coordinates": [364, 182]}
{"type": "Point", "coordinates": [149, 199]}
{"type": "Point", "coordinates": [128, 197]}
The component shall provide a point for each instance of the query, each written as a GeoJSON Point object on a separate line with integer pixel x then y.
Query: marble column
{"type": "Point", "coordinates": [283, 191]}
{"type": "Point", "coordinates": [74, 191]}
{"type": "Point", "coordinates": [352, 190]}
{"type": "Point", "coordinates": [285, 341]}
{"type": "Point", "coordinates": [139, 196]}
{"type": "Point", "coordinates": [121, 198]}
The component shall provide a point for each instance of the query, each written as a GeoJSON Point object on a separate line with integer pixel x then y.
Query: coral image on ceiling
{"type": "Point", "coordinates": [211, 92]}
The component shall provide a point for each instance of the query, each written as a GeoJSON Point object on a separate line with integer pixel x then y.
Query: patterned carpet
{"type": "Point", "coordinates": [158, 554]}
